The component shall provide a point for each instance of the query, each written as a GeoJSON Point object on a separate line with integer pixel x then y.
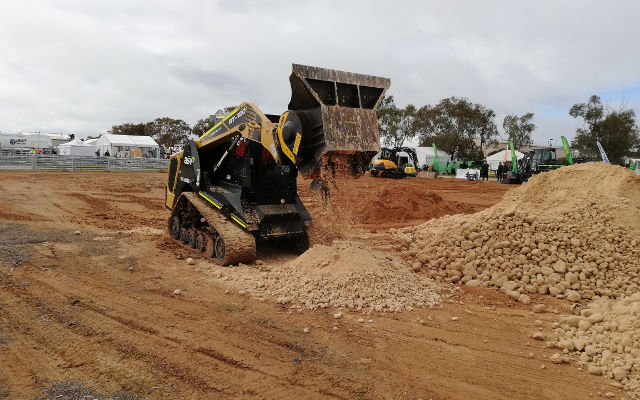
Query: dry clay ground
{"type": "Point", "coordinates": [87, 275]}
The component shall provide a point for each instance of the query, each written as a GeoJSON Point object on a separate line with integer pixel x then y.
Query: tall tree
{"type": "Point", "coordinates": [204, 124]}
{"type": "Point", "coordinates": [127, 128]}
{"type": "Point", "coordinates": [616, 130]}
{"type": "Point", "coordinates": [519, 129]}
{"type": "Point", "coordinates": [168, 131]}
{"type": "Point", "coordinates": [396, 125]}
{"type": "Point", "coordinates": [454, 124]}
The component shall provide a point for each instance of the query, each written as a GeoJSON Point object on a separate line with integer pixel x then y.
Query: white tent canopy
{"type": "Point", "coordinates": [504, 155]}
{"type": "Point", "coordinates": [127, 146]}
{"type": "Point", "coordinates": [76, 148]}
{"type": "Point", "coordinates": [426, 156]}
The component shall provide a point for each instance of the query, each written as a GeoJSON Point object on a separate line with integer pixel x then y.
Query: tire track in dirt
{"type": "Point", "coordinates": [143, 349]}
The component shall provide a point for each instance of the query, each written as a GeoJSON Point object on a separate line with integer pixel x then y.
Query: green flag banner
{"type": "Point", "coordinates": [514, 159]}
{"type": "Point", "coordinates": [567, 150]}
{"type": "Point", "coordinates": [436, 164]}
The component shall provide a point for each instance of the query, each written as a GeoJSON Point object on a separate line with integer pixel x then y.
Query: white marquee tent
{"type": "Point", "coordinates": [127, 146]}
{"type": "Point", "coordinates": [76, 148]}
{"type": "Point", "coordinates": [504, 155]}
{"type": "Point", "coordinates": [426, 156]}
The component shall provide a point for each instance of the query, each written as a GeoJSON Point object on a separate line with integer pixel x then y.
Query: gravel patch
{"type": "Point", "coordinates": [15, 240]}
{"type": "Point", "coordinates": [74, 390]}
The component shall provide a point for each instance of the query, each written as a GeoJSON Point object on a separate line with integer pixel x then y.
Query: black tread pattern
{"type": "Point", "coordinates": [240, 244]}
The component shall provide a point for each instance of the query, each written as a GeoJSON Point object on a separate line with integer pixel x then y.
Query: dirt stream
{"type": "Point", "coordinates": [90, 299]}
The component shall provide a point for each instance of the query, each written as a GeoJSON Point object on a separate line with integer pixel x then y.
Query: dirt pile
{"type": "Point", "coordinates": [406, 205]}
{"type": "Point", "coordinates": [605, 338]}
{"type": "Point", "coordinates": [577, 186]}
{"type": "Point", "coordinates": [378, 204]}
{"type": "Point", "coordinates": [343, 275]}
{"type": "Point", "coordinates": [568, 233]}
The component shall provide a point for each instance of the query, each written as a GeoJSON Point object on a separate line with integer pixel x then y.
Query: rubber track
{"type": "Point", "coordinates": [240, 244]}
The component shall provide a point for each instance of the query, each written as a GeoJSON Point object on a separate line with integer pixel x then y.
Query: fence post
{"type": "Point", "coordinates": [73, 163]}
{"type": "Point", "coordinates": [33, 162]}
{"type": "Point", "coordinates": [142, 164]}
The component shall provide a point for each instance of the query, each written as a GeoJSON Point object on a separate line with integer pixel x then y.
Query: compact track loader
{"type": "Point", "coordinates": [237, 182]}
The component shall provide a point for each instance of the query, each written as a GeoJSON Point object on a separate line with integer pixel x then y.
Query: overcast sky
{"type": "Point", "coordinates": [82, 66]}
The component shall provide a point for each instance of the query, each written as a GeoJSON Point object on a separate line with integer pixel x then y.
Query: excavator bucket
{"type": "Point", "coordinates": [338, 114]}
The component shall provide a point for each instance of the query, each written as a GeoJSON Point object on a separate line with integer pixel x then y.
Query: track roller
{"type": "Point", "coordinates": [201, 242]}
{"type": "Point", "coordinates": [174, 227]}
{"type": "Point", "coordinates": [183, 236]}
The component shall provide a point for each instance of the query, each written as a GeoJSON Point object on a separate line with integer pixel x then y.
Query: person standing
{"type": "Point", "coordinates": [484, 171]}
{"type": "Point", "coordinates": [499, 172]}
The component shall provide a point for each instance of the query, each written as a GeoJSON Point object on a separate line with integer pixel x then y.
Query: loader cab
{"type": "Point", "coordinates": [251, 171]}
{"type": "Point", "coordinates": [542, 156]}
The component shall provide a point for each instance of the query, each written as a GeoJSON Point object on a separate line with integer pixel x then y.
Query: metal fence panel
{"type": "Point", "coordinates": [53, 162]}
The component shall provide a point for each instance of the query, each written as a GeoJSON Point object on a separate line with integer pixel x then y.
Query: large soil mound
{"type": "Point", "coordinates": [569, 233]}
{"type": "Point", "coordinates": [570, 188]}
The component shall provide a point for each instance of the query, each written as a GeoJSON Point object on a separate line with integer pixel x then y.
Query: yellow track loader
{"type": "Point", "coordinates": [237, 182]}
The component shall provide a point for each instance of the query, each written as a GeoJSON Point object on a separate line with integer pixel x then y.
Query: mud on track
{"type": "Point", "coordinates": [98, 308]}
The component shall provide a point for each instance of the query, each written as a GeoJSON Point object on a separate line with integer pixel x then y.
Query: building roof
{"type": "Point", "coordinates": [58, 136]}
{"type": "Point", "coordinates": [128, 140]}
{"type": "Point", "coordinates": [76, 143]}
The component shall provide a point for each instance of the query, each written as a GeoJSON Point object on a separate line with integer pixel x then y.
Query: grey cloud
{"type": "Point", "coordinates": [83, 66]}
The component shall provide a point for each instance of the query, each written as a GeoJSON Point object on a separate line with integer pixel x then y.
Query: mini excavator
{"type": "Point", "coordinates": [237, 183]}
{"type": "Point", "coordinates": [395, 163]}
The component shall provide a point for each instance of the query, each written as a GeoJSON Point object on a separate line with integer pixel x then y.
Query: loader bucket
{"type": "Point", "coordinates": [338, 110]}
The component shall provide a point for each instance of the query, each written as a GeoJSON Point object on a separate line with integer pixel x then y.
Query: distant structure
{"type": "Point", "coordinates": [127, 146]}
{"type": "Point", "coordinates": [27, 140]}
{"type": "Point", "coordinates": [495, 146]}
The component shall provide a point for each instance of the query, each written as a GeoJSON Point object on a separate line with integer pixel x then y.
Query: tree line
{"type": "Point", "coordinates": [455, 124]}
